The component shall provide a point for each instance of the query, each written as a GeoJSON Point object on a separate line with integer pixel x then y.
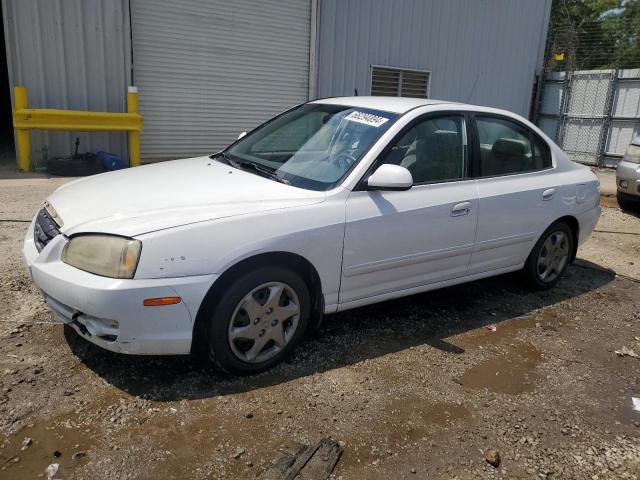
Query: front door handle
{"type": "Point", "coordinates": [461, 208]}
{"type": "Point", "coordinates": [548, 193]}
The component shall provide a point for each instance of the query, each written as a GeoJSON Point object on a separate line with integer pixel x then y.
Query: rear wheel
{"type": "Point", "coordinates": [258, 320]}
{"type": "Point", "coordinates": [550, 257]}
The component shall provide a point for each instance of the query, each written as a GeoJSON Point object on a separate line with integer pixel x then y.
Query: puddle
{"type": "Point", "coordinates": [512, 372]}
{"type": "Point", "coordinates": [507, 330]}
{"type": "Point", "coordinates": [513, 369]}
{"type": "Point", "coordinates": [64, 434]}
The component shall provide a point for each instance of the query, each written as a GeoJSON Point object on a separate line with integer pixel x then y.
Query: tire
{"type": "Point", "coordinates": [76, 166]}
{"type": "Point", "coordinates": [247, 333]}
{"type": "Point", "coordinates": [625, 204]}
{"type": "Point", "coordinates": [550, 257]}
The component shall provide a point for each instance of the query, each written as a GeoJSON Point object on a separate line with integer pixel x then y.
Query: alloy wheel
{"type": "Point", "coordinates": [553, 256]}
{"type": "Point", "coordinates": [264, 322]}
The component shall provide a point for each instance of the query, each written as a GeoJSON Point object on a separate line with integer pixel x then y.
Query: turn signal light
{"type": "Point", "coordinates": [161, 302]}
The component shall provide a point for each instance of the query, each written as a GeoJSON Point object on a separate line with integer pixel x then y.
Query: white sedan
{"type": "Point", "coordinates": [331, 205]}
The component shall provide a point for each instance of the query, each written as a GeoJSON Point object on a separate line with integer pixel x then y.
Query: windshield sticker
{"type": "Point", "coordinates": [366, 118]}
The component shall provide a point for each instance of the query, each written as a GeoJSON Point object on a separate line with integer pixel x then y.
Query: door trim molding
{"type": "Point", "coordinates": [504, 241]}
{"type": "Point", "coordinates": [405, 260]}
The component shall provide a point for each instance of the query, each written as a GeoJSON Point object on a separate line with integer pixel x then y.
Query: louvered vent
{"type": "Point", "coordinates": [395, 82]}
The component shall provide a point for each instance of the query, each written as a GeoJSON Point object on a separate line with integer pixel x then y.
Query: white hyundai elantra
{"type": "Point", "coordinates": [334, 204]}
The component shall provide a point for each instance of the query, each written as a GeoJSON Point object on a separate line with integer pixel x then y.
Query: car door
{"type": "Point", "coordinates": [400, 240]}
{"type": "Point", "coordinates": [518, 197]}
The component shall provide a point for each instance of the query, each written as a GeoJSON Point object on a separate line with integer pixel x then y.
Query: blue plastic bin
{"type": "Point", "coordinates": [110, 161]}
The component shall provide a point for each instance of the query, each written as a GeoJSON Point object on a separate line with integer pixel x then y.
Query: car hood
{"type": "Point", "coordinates": [163, 195]}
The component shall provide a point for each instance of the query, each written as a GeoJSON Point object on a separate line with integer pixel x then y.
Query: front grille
{"type": "Point", "coordinates": [44, 229]}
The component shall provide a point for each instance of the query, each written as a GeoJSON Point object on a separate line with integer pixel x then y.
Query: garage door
{"type": "Point", "coordinates": [208, 70]}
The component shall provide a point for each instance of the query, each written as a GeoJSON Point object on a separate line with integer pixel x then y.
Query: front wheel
{"type": "Point", "coordinates": [258, 320]}
{"type": "Point", "coordinates": [550, 257]}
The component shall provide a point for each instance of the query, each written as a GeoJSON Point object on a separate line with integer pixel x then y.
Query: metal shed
{"type": "Point", "coordinates": [486, 52]}
{"type": "Point", "coordinates": [207, 70]}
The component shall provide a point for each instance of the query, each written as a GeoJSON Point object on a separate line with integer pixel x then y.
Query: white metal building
{"type": "Point", "coordinates": [207, 70]}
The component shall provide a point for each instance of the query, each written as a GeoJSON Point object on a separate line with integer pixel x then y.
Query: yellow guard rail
{"type": "Point", "coordinates": [26, 119]}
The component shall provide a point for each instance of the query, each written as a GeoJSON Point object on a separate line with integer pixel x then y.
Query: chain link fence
{"type": "Point", "coordinates": [591, 114]}
{"type": "Point", "coordinates": [589, 94]}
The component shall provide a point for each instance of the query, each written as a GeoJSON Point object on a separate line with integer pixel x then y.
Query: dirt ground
{"type": "Point", "coordinates": [412, 388]}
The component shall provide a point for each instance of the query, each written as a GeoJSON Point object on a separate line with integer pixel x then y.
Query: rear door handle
{"type": "Point", "coordinates": [461, 208]}
{"type": "Point", "coordinates": [548, 194]}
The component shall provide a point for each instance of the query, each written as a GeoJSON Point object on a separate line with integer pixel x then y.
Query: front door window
{"type": "Point", "coordinates": [433, 150]}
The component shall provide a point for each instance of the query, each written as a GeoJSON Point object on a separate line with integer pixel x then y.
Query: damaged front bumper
{"type": "Point", "coordinates": [109, 312]}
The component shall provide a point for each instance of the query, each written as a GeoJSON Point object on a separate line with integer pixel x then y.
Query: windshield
{"type": "Point", "coordinates": [312, 146]}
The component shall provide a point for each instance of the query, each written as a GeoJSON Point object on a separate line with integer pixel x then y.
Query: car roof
{"type": "Point", "coordinates": [388, 104]}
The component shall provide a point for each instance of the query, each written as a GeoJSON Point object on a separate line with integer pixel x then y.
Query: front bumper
{"type": "Point", "coordinates": [628, 173]}
{"type": "Point", "coordinates": [108, 311]}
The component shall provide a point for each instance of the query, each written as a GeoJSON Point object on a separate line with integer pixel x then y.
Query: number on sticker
{"type": "Point", "coordinates": [366, 118]}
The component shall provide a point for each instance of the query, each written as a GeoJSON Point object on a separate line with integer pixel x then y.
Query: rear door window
{"type": "Point", "coordinates": [508, 148]}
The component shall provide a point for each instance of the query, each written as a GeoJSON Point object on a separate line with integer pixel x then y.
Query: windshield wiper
{"type": "Point", "coordinates": [266, 171]}
{"type": "Point", "coordinates": [224, 157]}
{"type": "Point", "coordinates": [261, 169]}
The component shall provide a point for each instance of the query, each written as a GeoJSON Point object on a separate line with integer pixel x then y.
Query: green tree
{"type": "Point", "coordinates": [594, 34]}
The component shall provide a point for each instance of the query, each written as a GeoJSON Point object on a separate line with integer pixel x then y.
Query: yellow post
{"type": "Point", "coordinates": [134, 135]}
{"type": "Point", "coordinates": [26, 119]}
{"type": "Point", "coordinates": [23, 136]}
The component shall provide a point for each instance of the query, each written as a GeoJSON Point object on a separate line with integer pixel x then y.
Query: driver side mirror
{"type": "Point", "coordinates": [241, 135]}
{"type": "Point", "coordinates": [390, 177]}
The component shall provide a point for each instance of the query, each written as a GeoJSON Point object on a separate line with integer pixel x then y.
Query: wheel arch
{"type": "Point", "coordinates": [574, 225]}
{"type": "Point", "coordinates": [294, 261]}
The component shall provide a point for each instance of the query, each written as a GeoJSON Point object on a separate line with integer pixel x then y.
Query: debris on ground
{"type": "Point", "coordinates": [52, 470]}
{"type": "Point", "coordinates": [238, 453]}
{"type": "Point", "coordinates": [636, 403]}
{"type": "Point", "coordinates": [492, 456]}
{"type": "Point", "coordinates": [491, 328]}
{"type": "Point", "coordinates": [314, 462]}
{"type": "Point", "coordinates": [624, 351]}
{"type": "Point", "coordinates": [26, 443]}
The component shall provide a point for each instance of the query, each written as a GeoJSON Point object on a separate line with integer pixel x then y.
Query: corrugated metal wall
{"type": "Point", "coordinates": [482, 51]}
{"type": "Point", "coordinates": [71, 54]}
{"type": "Point", "coordinates": [208, 70]}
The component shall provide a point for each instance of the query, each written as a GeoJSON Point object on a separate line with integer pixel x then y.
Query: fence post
{"type": "Point", "coordinates": [23, 136]}
{"type": "Point", "coordinates": [536, 101]}
{"type": "Point", "coordinates": [134, 136]}
{"type": "Point", "coordinates": [608, 114]}
{"type": "Point", "coordinates": [564, 108]}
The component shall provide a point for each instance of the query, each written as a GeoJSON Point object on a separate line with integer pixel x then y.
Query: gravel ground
{"type": "Point", "coordinates": [413, 388]}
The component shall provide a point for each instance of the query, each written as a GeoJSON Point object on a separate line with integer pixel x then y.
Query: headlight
{"type": "Point", "coordinates": [633, 154]}
{"type": "Point", "coordinates": [106, 255]}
